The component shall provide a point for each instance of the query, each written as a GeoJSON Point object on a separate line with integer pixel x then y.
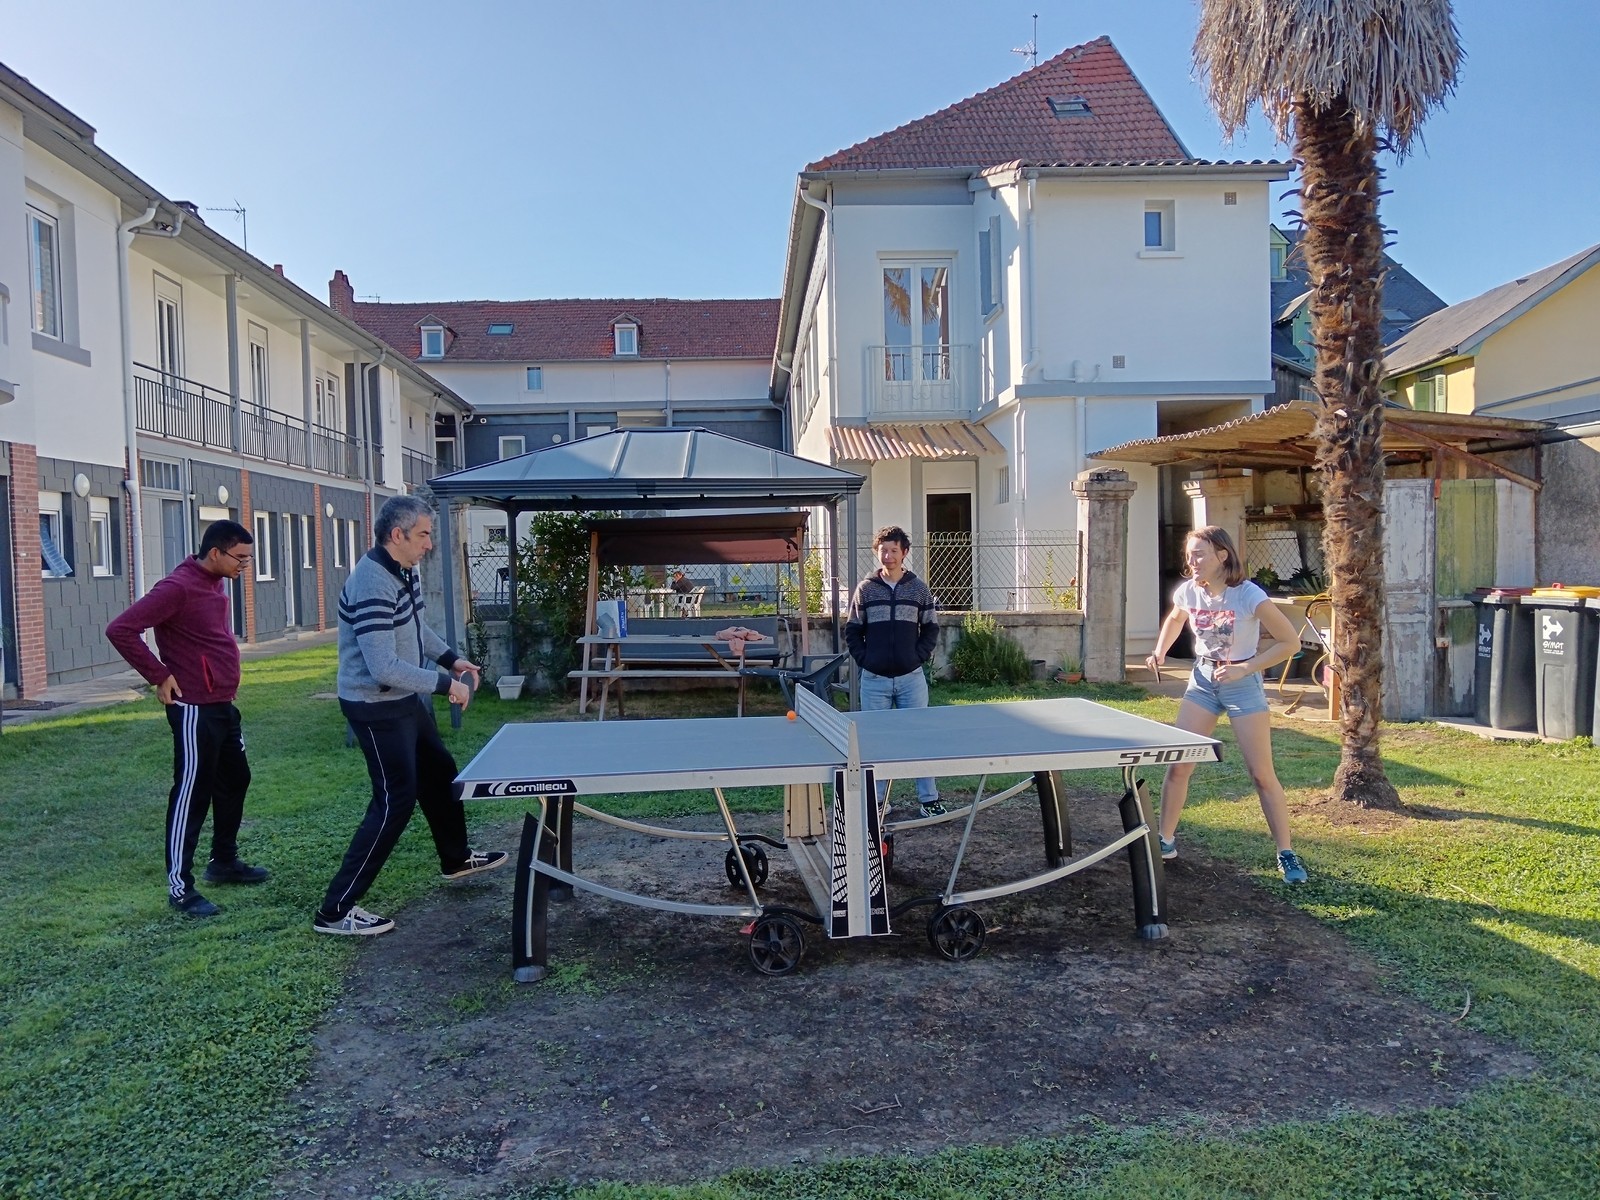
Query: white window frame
{"type": "Point", "coordinates": [507, 440]}
{"type": "Point", "coordinates": [535, 379]}
{"type": "Point", "coordinates": [1002, 484]}
{"type": "Point", "coordinates": [169, 328]}
{"type": "Point", "coordinates": [350, 541]}
{"type": "Point", "coordinates": [102, 544]}
{"type": "Point", "coordinates": [260, 366]}
{"type": "Point", "coordinates": [308, 545]}
{"type": "Point", "coordinates": [625, 339]}
{"type": "Point", "coordinates": [923, 363]}
{"type": "Point", "coordinates": [338, 543]}
{"type": "Point", "coordinates": [1167, 245]}
{"type": "Point", "coordinates": [47, 308]}
{"type": "Point", "coordinates": [51, 516]}
{"type": "Point", "coordinates": [436, 334]}
{"type": "Point", "coordinates": [263, 524]}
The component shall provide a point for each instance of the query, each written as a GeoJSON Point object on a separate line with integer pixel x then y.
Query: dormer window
{"type": "Point", "coordinates": [433, 341]}
{"type": "Point", "coordinates": [625, 338]}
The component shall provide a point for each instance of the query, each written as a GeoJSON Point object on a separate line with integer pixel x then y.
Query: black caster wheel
{"type": "Point", "coordinates": [755, 861]}
{"type": "Point", "coordinates": [957, 933]}
{"type": "Point", "coordinates": [777, 944]}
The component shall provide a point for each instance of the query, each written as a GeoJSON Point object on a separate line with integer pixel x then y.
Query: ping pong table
{"type": "Point", "coordinates": [842, 850]}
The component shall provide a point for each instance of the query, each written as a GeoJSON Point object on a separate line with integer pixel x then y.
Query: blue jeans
{"type": "Point", "coordinates": [1236, 697]}
{"type": "Point", "coordinates": [898, 691]}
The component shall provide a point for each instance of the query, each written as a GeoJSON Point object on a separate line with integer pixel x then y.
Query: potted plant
{"type": "Point", "coordinates": [510, 686]}
{"type": "Point", "coordinates": [1071, 671]}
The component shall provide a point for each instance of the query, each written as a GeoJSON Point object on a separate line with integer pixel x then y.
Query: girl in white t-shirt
{"type": "Point", "coordinates": [1227, 616]}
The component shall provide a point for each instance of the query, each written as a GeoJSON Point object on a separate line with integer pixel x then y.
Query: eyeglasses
{"type": "Point", "coordinates": [243, 561]}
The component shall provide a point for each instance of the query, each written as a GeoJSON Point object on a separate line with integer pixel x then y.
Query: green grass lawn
{"type": "Point", "coordinates": [145, 1055]}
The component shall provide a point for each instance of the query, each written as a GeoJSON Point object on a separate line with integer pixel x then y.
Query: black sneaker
{"type": "Point", "coordinates": [932, 809]}
{"type": "Point", "coordinates": [193, 904]}
{"type": "Point", "coordinates": [358, 922]}
{"type": "Point", "coordinates": [476, 861]}
{"type": "Point", "coordinates": [235, 872]}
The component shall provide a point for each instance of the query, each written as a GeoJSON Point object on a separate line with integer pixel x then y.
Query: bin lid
{"type": "Point", "coordinates": [1566, 591]}
{"type": "Point", "coordinates": [1499, 595]}
{"type": "Point", "coordinates": [1498, 590]}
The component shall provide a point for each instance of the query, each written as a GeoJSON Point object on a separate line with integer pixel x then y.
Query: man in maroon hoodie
{"type": "Point", "coordinates": [197, 677]}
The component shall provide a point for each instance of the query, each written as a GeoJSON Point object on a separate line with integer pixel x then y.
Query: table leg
{"type": "Point", "coordinates": [1053, 811]}
{"type": "Point", "coordinates": [530, 903]}
{"type": "Point", "coordinates": [1144, 860]}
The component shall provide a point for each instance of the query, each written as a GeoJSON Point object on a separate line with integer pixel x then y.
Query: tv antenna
{"type": "Point", "coordinates": [244, 228]}
{"type": "Point", "coordinates": [1030, 50]}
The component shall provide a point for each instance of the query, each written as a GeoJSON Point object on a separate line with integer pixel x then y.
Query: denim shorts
{"type": "Point", "coordinates": [1235, 697]}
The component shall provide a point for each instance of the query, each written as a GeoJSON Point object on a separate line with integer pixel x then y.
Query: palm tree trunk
{"type": "Point", "coordinates": [1343, 249]}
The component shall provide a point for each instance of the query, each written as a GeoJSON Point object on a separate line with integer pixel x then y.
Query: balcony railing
{"type": "Point", "coordinates": [418, 467]}
{"type": "Point", "coordinates": [181, 410]}
{"type": "Point", "coordinates": [920, 383]}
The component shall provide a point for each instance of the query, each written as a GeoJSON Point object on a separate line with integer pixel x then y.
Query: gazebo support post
{"type": "Point", "coordinates": [850, 559]}
{"type": "Point", "coordinates": [512, 511]}
{"type": "Point", "coordinates": [593, 594]}
{"type": "Point", "coordinates": [452, 634]}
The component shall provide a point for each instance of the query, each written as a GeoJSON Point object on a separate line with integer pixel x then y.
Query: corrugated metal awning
{"type": "Point", "coordinates": [877, 443]}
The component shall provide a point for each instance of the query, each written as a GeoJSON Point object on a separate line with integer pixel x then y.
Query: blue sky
{"type": "Point", "coordinates": [632, 148]}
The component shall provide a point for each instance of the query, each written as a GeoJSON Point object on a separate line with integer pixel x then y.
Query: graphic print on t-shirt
{"type": "Point", "coordinates": [1213, 631]}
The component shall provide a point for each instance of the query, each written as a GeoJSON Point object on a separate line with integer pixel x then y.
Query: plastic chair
{"type": "Point", "coordinates": [1319, 623]}
{"type": "Point", "coordinates": [817, 673]}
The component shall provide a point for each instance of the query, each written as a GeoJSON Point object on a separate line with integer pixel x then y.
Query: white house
{"type": "Point", "coordinates": [977, 299]}
{"type": "Point", "coordinates": [156, 378]}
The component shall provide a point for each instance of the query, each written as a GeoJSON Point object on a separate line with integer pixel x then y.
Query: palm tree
{"type": "Point", "coordinates": [1337, 79]}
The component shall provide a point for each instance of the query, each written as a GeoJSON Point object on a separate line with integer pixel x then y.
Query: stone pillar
{"type": "Point", "coordinates": [1219, 498]}
{"type": "Point", "coordinates": [1103, 495]}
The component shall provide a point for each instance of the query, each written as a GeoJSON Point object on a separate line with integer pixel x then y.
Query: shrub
{"type": "Point", "coordinates": [987, 654]}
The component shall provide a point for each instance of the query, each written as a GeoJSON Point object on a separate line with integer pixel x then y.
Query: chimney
{"type": "Point", "coordinates": [341, 295]}
{"type": "Point", "coordinates": [278, 267]}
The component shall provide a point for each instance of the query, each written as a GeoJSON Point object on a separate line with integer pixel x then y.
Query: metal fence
{"type": "Point", "coordinates": [991, 572]}
{"type": "Point", "coordinates": [1037, 571]}
{"type": "Point", "coordinates": [1290, 550]}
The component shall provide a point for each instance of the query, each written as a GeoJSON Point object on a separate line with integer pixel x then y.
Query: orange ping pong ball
{"type": "Point", "coordinates": [790, 714]}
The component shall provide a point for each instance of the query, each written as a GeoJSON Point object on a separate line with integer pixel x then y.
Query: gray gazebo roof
{"type": "Point", "coordinates": [649, 468]}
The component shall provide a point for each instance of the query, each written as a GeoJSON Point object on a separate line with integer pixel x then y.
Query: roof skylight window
{"type": "Point", "coordinates": [1069, 106]}
{"type": "Point", "coordinates": [500, 328]}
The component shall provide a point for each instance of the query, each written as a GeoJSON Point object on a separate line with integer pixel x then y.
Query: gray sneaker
{"type": "Point", "coordinates": [1169, 847]}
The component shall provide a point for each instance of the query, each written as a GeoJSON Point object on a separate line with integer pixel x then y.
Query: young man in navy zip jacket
{"type": "Point", "coordinates": [390, 664]}
{"type": "Point", "coordinates": [197, 678]}
{"type": "Point", "coordinates": [891, 631]}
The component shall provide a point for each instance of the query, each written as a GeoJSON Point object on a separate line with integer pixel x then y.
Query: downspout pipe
{"type": "Point", "coordinates": [130, 425]}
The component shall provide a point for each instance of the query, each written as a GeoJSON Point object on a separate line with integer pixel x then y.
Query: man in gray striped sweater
{"type": "Point", "coordinates": [390, 664]}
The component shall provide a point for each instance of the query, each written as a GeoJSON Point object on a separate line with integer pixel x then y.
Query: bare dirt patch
{"type": "Point", "coordinates": [656, 1052]}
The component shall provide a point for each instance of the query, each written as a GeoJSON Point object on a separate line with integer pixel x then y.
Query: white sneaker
{"type": "Point", "coordinates": [358, 922]}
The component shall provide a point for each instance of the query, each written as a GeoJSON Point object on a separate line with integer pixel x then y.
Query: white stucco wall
{"type": "Point", "coordinates": [643, 381]}
{"type": "Point", "coordinates": [77, 408]}
{"type": "Point", "coordinates": [18, 420]}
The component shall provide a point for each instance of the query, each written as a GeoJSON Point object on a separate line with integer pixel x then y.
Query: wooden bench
{"type": "Point", "coordinates": [667, 648]}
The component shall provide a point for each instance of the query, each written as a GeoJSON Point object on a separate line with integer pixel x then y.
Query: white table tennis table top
{"type": "Point", "coordinates": [596, 758]}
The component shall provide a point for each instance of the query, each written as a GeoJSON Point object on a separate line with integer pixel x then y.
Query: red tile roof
{"type": "Point", "coordinates": [573, 330]}
{"type": "Point", "coordinates": [1014, 121]}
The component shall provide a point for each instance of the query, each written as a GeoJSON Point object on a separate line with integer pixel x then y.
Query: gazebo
{"type": "Point", "coordinates": [641, 472]}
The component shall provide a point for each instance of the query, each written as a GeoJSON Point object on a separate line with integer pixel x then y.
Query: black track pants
{"type": "Point", "coordinates": [209, 773]}
{"type": "Point", "coordinates": [409, 766]}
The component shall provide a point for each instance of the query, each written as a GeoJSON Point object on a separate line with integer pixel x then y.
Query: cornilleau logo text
{"type": "Point", "coordinates": [526, 787]}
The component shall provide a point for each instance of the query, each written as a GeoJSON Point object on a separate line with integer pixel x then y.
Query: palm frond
{"type": "Point", "coordinates": [1391, 62]}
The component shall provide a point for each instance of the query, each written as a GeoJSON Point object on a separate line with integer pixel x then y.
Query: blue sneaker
{"type": "Point", "coordinates": [1290, 867]}
{"type": "Point", "coordinates": [1169, 847]}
